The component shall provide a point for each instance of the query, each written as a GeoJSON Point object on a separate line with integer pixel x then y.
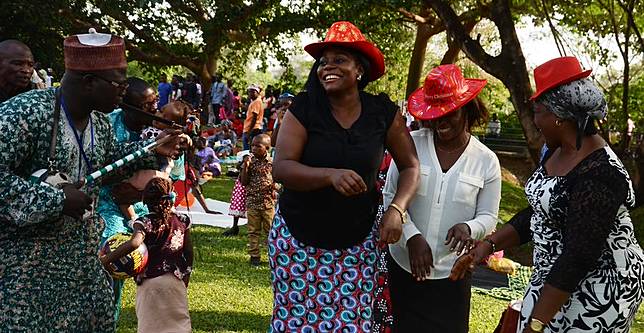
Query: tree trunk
{"type": "Point", "coordinates": [209, 68]}
{"type": "Point", "coordinates": [509, 66]}
{"type": "Point", "coordinates": [518, 83]}
{"type": "Point", "coordinates": [638, 180]}
{"type": "Point", "coordinates": [625, 85]}
{"type": "Point", "coordinates": [451, 55]}
{"type": "Point", "coordinates": [454, 49]}
{"type": "Point", "coordinates": [423, 33]}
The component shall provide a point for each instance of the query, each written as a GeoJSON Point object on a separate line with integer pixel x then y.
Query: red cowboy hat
{"type": "Point", "coordinates": [345, 34]}
{"type": "Point", "coordinates": [556, 72]}
{"type": "Point", "coordinates": [445, 90]}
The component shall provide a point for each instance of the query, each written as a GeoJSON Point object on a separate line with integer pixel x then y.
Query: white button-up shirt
{"type": "Point", "coordinates": [468, 192]}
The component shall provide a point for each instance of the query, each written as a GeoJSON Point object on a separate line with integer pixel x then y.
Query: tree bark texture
{"type": "Point", "coordinates": [454, 49]}
{"type": "Point", "coordinates": [414, 73]}
{"type": "Point", "coordinates": [417, 60]}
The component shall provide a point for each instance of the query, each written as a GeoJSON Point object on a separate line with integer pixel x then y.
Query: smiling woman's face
{"type": "Point", "coordinates": [338, 70]}
{"type": "Point", "coordinates": [449, 126]}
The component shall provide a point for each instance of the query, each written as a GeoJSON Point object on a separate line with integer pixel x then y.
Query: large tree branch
{"type": "Point", "coordinates": [629, 13]}
{"type": "Point", "coordinates": [249, 11]}
{"type": "Point", "coordinates": [197, 14]}
{"type": "Point", "coordinates": [436, 26]}
{"type": "Point", "coordinates": [553, 29]}
{"type": "Point", "coordinates": [273, 28]}
{"type": "Point", "coordinates": [459, 35]}
{"type": "Point", "coordinates": [415, 17]}
{"type": "Point", "coordinates": [77, 22]}
{"type": "Point", "coordinates": [200, 8]}
{"type": "Point", "coordinates": [234, 29]}
{"type": "Point", "coordinates": [452, 48]}
{"type": "Point", "coordinates": [131, 26]}
{"type": "Point", "coordinates": [611, 11]}
{"type": "Point", "coordinates": [136, 53]}
{"type": "Point", "coordinates": [160, 49]}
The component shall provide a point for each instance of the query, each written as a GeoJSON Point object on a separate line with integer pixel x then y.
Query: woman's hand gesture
{"type": "Point", "coordinates": [347, 182]}
{"type": "Point", "coordinates": [459, 238]}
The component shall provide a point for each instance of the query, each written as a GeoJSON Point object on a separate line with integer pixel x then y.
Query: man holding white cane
{"type": "Point", "coordinates": [50, 275]}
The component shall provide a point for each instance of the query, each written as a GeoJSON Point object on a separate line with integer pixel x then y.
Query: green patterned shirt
{"type": "Point", "coordinates": [50, 276]}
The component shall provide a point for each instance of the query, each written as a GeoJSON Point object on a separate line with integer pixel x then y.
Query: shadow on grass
{"type": "Point", "coordinates": [210, 321]}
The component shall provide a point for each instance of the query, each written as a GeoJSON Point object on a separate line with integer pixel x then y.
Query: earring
{"type": "Point", "coordinates": [558, 122]}
{"type": "Point", "coordinates": [359, 77]}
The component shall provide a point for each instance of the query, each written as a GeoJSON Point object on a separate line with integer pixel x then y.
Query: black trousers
{"type": "Point", "coordinates": [431, 306]}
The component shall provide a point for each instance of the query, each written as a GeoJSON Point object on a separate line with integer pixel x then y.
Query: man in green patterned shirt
{"type": "Point", "coordinates": [50, 277]}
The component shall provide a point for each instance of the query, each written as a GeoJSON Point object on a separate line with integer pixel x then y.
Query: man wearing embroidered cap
{"type": "Point", "coordinates": [50, 276]}
{"type": "Point", "coordinates": [329, 150]}
{"type": "Point", "coordinates": [457, 202]}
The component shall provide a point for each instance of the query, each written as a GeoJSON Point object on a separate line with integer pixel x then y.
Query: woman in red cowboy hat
{"type": "Point", "coordinates": [323, 245]}
{"type": "Point", "coordinates": [457, 201]}
{"type": "Point", "coordinates": [588, 266]}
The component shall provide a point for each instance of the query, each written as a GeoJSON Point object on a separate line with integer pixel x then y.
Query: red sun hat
{"type": "Point", "coordinates": [556, 72]}
{"type": "Point", "coordinates": [346, 35]}
{"type": "Point", "coordinates": [445, 90]}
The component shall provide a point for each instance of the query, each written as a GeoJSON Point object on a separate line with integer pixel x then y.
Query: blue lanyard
{"type": "Point", "coordinates": [79, 139]}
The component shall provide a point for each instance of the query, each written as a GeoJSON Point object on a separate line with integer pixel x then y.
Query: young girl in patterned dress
{"type": "Point", "coordinates": [161, 295]}
{"type": "Point", "coordinates": [237, 202]}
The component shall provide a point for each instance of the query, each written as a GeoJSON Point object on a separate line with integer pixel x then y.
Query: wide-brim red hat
{"type": "Point", "coordinates": [444, 90]}
{"type": "Point", "coordinates": [346, 35]}
{"type": "Point", "coordinates": [556, 72]}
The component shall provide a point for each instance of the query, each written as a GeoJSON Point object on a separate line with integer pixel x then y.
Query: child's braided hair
{"type": "Point", "coordinates": [157, 195]}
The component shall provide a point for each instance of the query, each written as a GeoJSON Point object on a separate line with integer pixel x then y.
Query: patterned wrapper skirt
{"type": "Point", "coordinates": [318, 290]}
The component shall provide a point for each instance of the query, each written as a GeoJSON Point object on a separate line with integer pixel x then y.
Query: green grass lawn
{"type": "Point", "coordinates": [226, 294]}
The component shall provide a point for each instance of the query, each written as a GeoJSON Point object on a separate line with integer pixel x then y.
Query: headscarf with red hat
{"type": "Point", "coordinates": [346, 35]}
{"type": "Point", "coordinates": [565, 90]}
{"type": "Point", "coordinates": [445, 90]}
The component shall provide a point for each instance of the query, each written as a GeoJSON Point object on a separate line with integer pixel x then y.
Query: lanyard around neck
{"type": "Point", "coordinates": [79, 138]}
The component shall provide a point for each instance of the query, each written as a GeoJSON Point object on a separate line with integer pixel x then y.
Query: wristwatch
{"type": "Point", "coordinates": [403, 214]}
{"type": "Point", "coordinates": [536, 325]}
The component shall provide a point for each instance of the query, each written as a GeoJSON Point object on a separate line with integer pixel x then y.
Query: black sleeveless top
{"type": "Point", "coordinates": [325, 218]}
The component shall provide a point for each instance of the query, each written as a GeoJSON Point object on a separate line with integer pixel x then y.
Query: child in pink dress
{"type": "Point", "coordinates": [237, 203]}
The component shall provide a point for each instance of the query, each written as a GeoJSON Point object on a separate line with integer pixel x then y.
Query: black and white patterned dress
{"type": "Point", "coordinates": [584, 244]}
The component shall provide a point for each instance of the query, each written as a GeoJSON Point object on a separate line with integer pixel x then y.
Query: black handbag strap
{"type": "Point", "coordinates": [54, 132]}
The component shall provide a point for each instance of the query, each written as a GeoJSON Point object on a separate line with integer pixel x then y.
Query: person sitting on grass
{"type": "Point", "coordinates": [224, 142]}
{"type": "Point", "coordinates": [206, 160]}
{"type": "Point", "coordinates": [256, 175]}
{"type": "Point", "coordinates": [161, 294]}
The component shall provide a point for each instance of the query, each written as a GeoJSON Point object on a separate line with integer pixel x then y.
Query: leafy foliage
{"type": "Point", "coordinates": [37, 24]}
{"type": "Point", "coordinates": [602, 21]}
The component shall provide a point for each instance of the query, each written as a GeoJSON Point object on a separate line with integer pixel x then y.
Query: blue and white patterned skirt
{"type": "Point", "coordinates": [318, 290]}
